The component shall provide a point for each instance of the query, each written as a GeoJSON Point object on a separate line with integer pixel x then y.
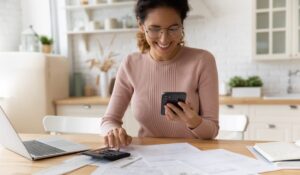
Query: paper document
{"type": "Point", "coordinates": [162, 151]}
{"type": "Point", "coordinates": [278, 151]}
{"type": "Point", "coordinates": [281, 164]}
{"type": "Point", "coordinates": [67, 166]}
{"type": "Point", "coordinates": [183, 158]}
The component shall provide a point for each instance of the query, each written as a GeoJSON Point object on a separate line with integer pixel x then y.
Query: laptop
{"type": "Point", "coordinates": [34, 149]}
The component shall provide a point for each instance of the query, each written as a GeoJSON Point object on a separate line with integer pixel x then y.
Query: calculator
{"type": "Point", "coordinates": [105, 153]}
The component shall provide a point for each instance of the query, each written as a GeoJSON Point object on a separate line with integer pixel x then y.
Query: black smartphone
{"type": "Point", "coordinates": [105, 153]}
{"type": "Point", "coordinates": [172, 97]}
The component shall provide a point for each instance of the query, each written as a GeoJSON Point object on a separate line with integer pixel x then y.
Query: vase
{"type": "Point", "coordinates": [78, 84]}
{"type": "Point", "coordinates": [46, 48]}
{"type": "Point", "coordinates": [246, 92]}
{"type": "Point", "coordinates": [104, 91]}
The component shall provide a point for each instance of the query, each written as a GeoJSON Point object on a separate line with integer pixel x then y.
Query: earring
{"type": "Point", "coordinates": [182, 39]}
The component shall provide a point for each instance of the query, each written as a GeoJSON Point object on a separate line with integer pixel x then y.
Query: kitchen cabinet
{"type": "Point", "coordinates": [29, 83]}
{"type": "Point", "coordinates": [276, 29]}
{"type": "Point", "coordinates": [92, 110]}
{"type": "Point", "coordinates": [268, 122]}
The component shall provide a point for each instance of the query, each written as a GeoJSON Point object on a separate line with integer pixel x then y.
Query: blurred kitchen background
{"type": "Point", "coordinates": [89, 38]}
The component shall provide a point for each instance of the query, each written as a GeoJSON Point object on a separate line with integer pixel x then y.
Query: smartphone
{"type": "Point", "coordinates": [172, 97]}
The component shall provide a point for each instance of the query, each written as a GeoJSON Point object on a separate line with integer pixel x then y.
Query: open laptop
{"type": "Point", "coordinates": [34, 149]}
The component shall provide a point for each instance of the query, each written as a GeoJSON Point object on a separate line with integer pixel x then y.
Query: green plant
{"type": "Point", "coordinates": [45, 40]}
{"type": "Point", "coordinates": [252, 81]}
{"type": "Point", "coordinates": [237, 81]}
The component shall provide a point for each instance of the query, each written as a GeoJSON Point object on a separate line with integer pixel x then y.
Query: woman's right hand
{"type": "Point", "coordinates": [116, 138]}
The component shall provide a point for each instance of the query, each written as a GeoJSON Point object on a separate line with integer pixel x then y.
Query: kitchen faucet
{"type": "Point", "coordinates": [290, 75]}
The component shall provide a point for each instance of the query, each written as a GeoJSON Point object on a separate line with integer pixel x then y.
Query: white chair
{"type": "Point", "coordinates": [69, 124]}
{"type": "Point", "coordinates": [232, 127]}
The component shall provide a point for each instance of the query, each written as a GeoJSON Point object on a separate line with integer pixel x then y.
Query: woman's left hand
{"type": "Point", "coordinates": [187, 115]}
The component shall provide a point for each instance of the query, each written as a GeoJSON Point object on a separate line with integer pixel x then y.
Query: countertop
{"type": "Point", "coordinates": [224, 100]}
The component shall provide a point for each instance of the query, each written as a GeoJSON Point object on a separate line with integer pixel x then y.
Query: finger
{"type": "Point", "coordinates": [167, 113]}
{"type": "Point", "coordinates": [184, 106]}
{"type": "Point", "coordinates": [189, 104]}
{"type": "Point", "coordinates": [111, 140]}
{"type": "Point", "coordinates": [106, 141]}
{"type": "Point", "coordinates": [122, 136]}
{"type": "Point", "coordinates": [171, 114]}
{"type": "Point", "coordinates": [175, 109]}
{"type": "Point", "coordinates": [129, 140]}
{"type": "Point", "coordinates": [117, 140]}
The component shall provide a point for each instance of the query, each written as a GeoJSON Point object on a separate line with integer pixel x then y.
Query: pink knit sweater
{"type": "Point", "coordinates": [142, 80]}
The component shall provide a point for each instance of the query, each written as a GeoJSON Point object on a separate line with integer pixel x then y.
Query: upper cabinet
{"type": "Point", "coordinates": [276, 28]}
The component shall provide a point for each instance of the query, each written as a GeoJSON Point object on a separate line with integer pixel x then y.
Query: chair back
{"type": "Point", "coordinates": [70, 124]}
{"type": "Point", "coordinates": [232, 127]}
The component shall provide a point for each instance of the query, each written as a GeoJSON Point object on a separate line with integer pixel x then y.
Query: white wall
{"type": "Point", "coordinates": [10, 25]}
{"type": "Point", "coordinates": [36, 13]}
{"type": "Point", "coordinates": [17, 15]}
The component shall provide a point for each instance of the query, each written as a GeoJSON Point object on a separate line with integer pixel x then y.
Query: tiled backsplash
{"type": "Point", "coordinates": [227, 34]}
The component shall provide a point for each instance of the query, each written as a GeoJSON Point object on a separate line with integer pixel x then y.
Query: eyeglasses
{"type": "Point", "coordinates": [156, 32]}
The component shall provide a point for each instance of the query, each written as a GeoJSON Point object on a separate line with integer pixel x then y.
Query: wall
{"type": "Point", "coordinates": [10, 25]}
{"type": "Point", "coordinates": [36, 13]}
{"type": "Point", "coordinates": [227, 34]}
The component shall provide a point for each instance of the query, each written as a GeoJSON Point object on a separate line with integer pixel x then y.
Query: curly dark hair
{"type": "Point", "coordinates": [143, 7]}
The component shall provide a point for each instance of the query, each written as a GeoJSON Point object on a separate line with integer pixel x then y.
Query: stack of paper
{"type": "Point", "coordinates": [169, 159]}
{"type": "Point", "coordinates": [183, 158]}
{"type": "Point", "coordinates": [283, 154]}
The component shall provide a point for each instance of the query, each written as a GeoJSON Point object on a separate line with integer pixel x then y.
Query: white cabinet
{"type": "Point", "coordinates": [89, 110]}
{"type": "Point", "coordinates": [268, 122]}
{"type": "Point", "coordinates": [270, 131]}
{"type": "Point", "coordinates": [29, 83]}
{"type": "Point", "coordinates": [276, 29]}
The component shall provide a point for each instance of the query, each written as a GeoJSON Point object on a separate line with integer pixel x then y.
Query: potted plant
{"type": "Point", "coordinates": [250, 87]}
{"type": "Point", "coordinates": [46, 44]}
{"type": "Point", "coordinates": [103, 63]}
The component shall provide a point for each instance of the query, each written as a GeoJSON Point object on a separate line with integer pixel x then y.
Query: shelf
{"type": "Point", "coordinates": [103, 31]}
{"type": "Point", "coordinates": [100, 5]}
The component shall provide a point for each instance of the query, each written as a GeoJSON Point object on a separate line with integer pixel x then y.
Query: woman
{"type": "Point", "coordinates": [164, 65]}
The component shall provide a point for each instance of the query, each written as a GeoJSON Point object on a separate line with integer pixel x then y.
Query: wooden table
{"type": "Point", "coordinates": [11, 163]}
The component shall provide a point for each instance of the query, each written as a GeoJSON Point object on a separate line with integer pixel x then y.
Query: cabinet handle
{"type": "Point", "coordinates": [293, 107]}
{"type": "Point", "coordinates": [230, 106]}
{"type": "Point", "coordinates": [271, 126]}
{"type": "Point", "coordinates": [87, 106]}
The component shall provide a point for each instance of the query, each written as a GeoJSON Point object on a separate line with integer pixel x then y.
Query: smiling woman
{"type": "Point", "coordinates": [164, 64]}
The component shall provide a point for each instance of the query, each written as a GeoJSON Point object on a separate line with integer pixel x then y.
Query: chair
{"type": "Point", "coordinates": [69, 124]}
{"type": "Point", "coordinates": [232, 127]}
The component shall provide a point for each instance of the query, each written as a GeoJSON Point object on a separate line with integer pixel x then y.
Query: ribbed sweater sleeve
{"type": "Point", "coordinates": [119, 100]}
{"type": "Point", "coordinates": [208, 89]}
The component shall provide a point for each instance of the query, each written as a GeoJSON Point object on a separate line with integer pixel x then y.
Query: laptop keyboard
{"type": "Point", "coordinates": [37, 148]}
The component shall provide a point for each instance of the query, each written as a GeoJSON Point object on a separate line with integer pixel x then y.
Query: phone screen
{"type": "Point", "coordinates": [172, 97]}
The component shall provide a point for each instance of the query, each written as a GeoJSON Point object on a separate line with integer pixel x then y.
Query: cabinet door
{"type": "Point", "coordinates": [270, 131]}
{"type": "Point", "coordinates": [296, 29]}
{"type": "Point", "coordinates": [273, 122]}
{"type": "Point", "coordinates": [233, 109]}
{"type": "Point", "coordinates": [296, 131]}
{"type": "Point", "coordinates": [81, 110]}
{"type": "Point", "coordinates": [272, 29]}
